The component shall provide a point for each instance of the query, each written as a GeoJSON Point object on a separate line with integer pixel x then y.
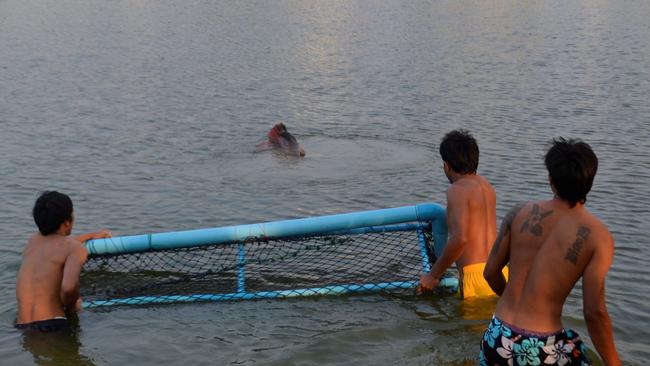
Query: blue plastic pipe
{"type": "Point", "coordinates": [425, 212]}
{"type": "Point", "coordinates": [448, 283]}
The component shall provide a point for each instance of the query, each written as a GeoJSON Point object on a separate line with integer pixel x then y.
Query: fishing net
{"type": "Point", "coordinates": [388, 260]}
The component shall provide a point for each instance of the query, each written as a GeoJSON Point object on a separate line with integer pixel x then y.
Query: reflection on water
{"type": "Point", "coordinates": [147, 113]}
{"type": "Point", "coordinates": [477, 309]}
{"type": "Point", "coordinates": [56, 348]}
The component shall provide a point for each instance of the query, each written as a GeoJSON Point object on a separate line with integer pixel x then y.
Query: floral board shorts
{"type": "Point", "coordinates": [504, 344]}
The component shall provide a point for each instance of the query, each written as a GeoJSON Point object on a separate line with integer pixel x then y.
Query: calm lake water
{"type": "Point", "coordinates": [147, 113]}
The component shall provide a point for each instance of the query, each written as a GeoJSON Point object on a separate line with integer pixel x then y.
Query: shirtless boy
{"type": "Point", "coordinates": [471, 218]}
{"type": "Point", "coordinates": [47, 286]}
{"type": "Point", "coordinates": [549, 246]}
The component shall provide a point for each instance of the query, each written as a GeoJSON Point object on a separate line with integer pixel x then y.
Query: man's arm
{"type": "Point", "coordinates": [593, 298]}
{"type": "Point", "coordinates": [500, 253]}
{"type": "Point", "coordinates": [94, 235]}
{"type": "Point", "coordinates": [71, 271]}
{"type": "Point", "coordinates": [458, 225]}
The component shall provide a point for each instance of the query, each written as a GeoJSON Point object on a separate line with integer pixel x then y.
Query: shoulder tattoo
{"type": "Point", "coordinates": [533, 222]}
{"type": "Point", "coordinates": [573, 252]}
{"type": "Point", "coordinates": [506, 223]}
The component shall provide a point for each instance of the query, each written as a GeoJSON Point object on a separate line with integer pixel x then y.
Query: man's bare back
{"type": "Point", "coordinates": [41, 275]}
{"type": "Point", "coordinates": [472, 201]}
{"type": "Point", "coordinates": [551, 245]}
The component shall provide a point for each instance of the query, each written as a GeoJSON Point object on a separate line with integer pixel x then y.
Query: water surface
{"type": "Point", "coordinates": [147, 114]}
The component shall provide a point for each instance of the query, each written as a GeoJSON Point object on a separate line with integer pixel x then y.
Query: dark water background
{"type": "Point", "coordinates": [147, 114]}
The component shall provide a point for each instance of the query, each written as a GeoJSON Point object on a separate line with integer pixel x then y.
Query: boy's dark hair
{"type": "Point", "coordinates": [460, 150]}
{"type": "Point", "coordinates": [51, 210]}
{"type": "Point", "coordinates": [572, 166]}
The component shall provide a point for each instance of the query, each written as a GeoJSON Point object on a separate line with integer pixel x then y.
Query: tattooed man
{"type": "Point", "coordinates": [471, 218]}
{"type": "Point", "coordinates": [549, 246]}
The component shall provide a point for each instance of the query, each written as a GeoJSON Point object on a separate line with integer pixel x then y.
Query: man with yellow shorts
{"type": "Point", "coordinates": [471, 218]}
{"type": "Point", "coordinates": [473, 284]}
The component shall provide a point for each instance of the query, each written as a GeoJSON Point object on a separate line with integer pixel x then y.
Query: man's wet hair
{"type": "Point", "coordinates": [572, 166]}
{"type": "Point", "coordinates": [460, 151]}
{"type": "Point", "coordinates": [51, 210]}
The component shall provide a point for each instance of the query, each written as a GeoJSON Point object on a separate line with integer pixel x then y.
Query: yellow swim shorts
{"type": "Point", "coordinates": [473, 283]}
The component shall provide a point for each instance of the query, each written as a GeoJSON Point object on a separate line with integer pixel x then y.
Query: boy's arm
{"type": "Point", "coordinates": [500, 253]}
{"type": "Point", "coordinates": [93, 235]}
{"type": "Point", "coordinates": [457, 222]}
{"type": "Point", "coordinates": [593, 298]}
{"type": "Point", "coordinates": [71, 271]}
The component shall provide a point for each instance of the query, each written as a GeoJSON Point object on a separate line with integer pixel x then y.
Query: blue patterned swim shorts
{"type": "Point", "coordinates": [504, 344]}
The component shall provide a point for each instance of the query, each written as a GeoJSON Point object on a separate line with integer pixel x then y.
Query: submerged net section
{"type": "Point", "coordinates": [315, 265]}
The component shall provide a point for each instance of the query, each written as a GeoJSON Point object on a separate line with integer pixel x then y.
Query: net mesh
{"type": "Point", "coordinates": [324, 264]}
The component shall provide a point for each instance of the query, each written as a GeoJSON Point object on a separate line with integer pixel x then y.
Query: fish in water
{"type": "Point", "coordinates": [279, 138]}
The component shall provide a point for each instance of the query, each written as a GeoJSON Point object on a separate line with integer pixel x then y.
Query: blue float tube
{"type": "Point", "coordinates": [425, 212]}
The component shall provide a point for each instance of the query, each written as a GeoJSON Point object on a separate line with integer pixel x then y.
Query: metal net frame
{"type": "Point", "coordinates": [327, 255]}
{"type": "Point", "coordinates": [387, 259]}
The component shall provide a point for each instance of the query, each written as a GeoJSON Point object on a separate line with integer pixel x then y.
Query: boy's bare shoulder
{"type": "Point", "coordinates": [483, 180]}
{"type": "Point", "coordinates": [458, 194]}
{"type": "Point", "coordinates": [67, 246]}
{"type": "Point", "coordinates": [599, 232]}
{"type": "Point", "coordinates": [524, 207]}
{"type": "Point", "coordinates": [76, 248]}
{"type": "Point", "coordinates": [33, 242]}
{"type": "Point", "coordinates": [462, 187]}
{"type": "Point", "coordinates": [32, 238]}
{"type": "Point", "coordinates": [35, 238]}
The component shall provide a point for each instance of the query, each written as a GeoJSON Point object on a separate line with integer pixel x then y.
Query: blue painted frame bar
{"type": "Point", "coordinates": [449, 283]}
{"type": "Point", "coordinates": [241, 261]}
{"type": "Point", "coordinates": [381, 229]}
{"type": "Point", "coordinates": [426, 261]}
{"type": "Point", "coordinates": [425, 212]}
